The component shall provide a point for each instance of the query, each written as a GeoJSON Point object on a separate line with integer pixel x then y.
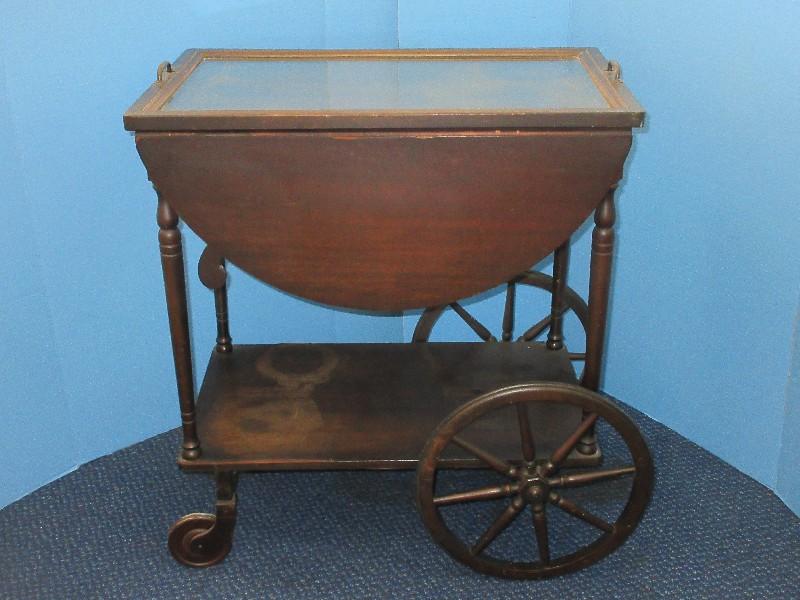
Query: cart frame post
{"type": "Point", "coordinates": [555, 334]}
{"type": "Point", "coordinates": [224, 341]}
{"type": "Point", "coordinates": [213, 274]}
{"type": "Point", "coordinates": [599, 288]}
{"type": "Point", "coordinates": [171, 246]}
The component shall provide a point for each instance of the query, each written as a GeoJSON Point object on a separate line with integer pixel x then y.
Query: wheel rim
{"type": "Point", "coordinates": [572, 302]}
{"type": "Point", "coordinates": [518, 495]}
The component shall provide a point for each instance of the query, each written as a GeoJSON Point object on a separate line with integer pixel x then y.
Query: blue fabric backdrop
{"type": "Point", "coordinates": [706, 289]}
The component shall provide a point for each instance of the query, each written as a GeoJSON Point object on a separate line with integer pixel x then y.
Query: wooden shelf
{"type": "Point", "coordinates": [315, 406]}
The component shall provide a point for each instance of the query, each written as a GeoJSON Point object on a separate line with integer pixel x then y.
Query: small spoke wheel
{"type": "Point", "coordinates": [572, 302]}
{"type": "Point", "coordinates": [577, 515]}
{"type": "Point", "coordinates": [188, 550]}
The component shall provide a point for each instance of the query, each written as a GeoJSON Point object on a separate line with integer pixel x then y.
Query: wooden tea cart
{"type": "Point", "coordinates": [388, 181]}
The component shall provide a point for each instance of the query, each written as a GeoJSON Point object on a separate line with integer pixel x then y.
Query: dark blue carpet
{"type": "Point", "coordinates": [100, 532]}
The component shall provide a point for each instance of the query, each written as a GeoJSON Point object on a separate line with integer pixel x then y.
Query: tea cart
{"type": "Point", "coordinates": [390, 181]}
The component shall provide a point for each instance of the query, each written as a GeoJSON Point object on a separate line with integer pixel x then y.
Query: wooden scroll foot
{"type": "Point", "coordinates": [201, 539]}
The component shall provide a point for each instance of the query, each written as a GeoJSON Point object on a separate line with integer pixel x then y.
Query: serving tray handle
{"type": "Point", "coordinates": [614, 71]}
{"type": "Point", "coordinates": [163, 71]}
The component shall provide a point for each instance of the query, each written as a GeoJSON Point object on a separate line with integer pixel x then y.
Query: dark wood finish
{"type": "Point", "coordinates": [473, 323]}
{"type": "Point", "coordinates": [555, 334]}
{"type": "Point", "coordinates": [623, 111]}
{"type": "Point", "coordinates": [570, 301]}
{"type": "Point", "coordinates": [391, 210]}
{"type": "Point", "coordinates": [499, 525]}
{"type": "Point", "coordinates": [562, 452]}
{"type": "Point", "coordinates": [384, 220]}
{"type": "Point", "coordinates": [534, 483]}
{"type": "Point", "coordinates": [573, 509]}
{"type": "Point", "coordinates": [201, 539]}
{"type": "Point", "coordinates": [214, 276]}
{"type": "Point", "coordinates": [526, 434]}
{"type": "Point", "coordinates": [486, 493]}
{"type": "Point", "coordinates": [211, 269]}
{"type": "Point", "coordinates": [224, 341]}
{"type": "Point", "coordinates": [508, 312]}
{"type": "Point", "coordinates": [171, 246]}
{"type": "Point", "coordinates": [343, 406]}
{"type": "Point", "coordinates": [578, 479]}
{"type": "Point", "coordinates": [540, 528]}
{"type": "Point", "coordinates": [599, 288]}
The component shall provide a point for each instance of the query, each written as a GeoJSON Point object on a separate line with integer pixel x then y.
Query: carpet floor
{"type": "Point", "coordinates": [100, 532]}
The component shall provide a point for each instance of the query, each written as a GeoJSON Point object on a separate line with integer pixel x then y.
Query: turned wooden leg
{"type": "Point", "coordinates": [201, 539]}
{"type": "Point", "coordinates": [555, 334]}
{"type": "Point", "coordinates": [599, 286]}
{"type": "Point", "coordinates": [214, 276]}
{"type": "Point", "coordinates": [169, 238]}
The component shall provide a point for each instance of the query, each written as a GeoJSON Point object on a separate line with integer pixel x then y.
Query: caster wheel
{"type": "Point", "coordinates": [189, 545]}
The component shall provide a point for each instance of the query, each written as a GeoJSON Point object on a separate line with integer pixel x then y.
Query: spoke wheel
{"type": "Point", "coordinates": [572, 302]}
{"type": "Point", "coordinates": [539, 482]}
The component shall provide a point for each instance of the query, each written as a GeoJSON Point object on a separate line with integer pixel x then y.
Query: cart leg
{"type": "Point", "coordinates": [170, 243]}
{"type": "Point", "coordinates": [555, 334]}
{"type": "Point", "coordinates": [215, 277]}
{"type": "Point", "coordinates": [599, 285]}
{"type": "Point", "coordinates": [202, 540]}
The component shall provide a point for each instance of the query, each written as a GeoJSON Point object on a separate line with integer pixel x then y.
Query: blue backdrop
{"type": "Point", "coordinates": [706, 288]}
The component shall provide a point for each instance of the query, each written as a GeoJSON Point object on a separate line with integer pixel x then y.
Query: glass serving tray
{"type": "Point", "coordinates": [263, 90]}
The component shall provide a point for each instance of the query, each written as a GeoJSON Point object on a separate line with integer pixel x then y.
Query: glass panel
{"type": "Point", "coordinates": [387, 85]}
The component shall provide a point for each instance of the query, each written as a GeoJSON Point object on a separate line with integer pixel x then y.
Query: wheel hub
{"type": "Point", "coordinates": [534, 488]}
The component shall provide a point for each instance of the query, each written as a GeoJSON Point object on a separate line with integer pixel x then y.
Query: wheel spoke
{"type": "Point", "coordinates": [573, 509]}
{"type": "Point", "coordinates": [485, 493]}
{"type": "Point", "coordinates": [490, 459]}
{"type": "Point", "coordinates": [564, 450]}
{"type": "Point", "coordinates": [508, 313]}
{"type": "Point", "coordinates": [473, 323]}
{"type": "Point", "coordinates": [528, 446]}
{"type": "Point", "coordinates": [537, 329]}
{"type": "Point", "coordinates": [503, 521]}
{"type": "Point", "coordinates": [540, 527]}
{"type": "Point", "coordinates": [578, 479]}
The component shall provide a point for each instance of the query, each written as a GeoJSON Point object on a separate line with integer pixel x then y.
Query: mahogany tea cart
{"type": "Point", "coordinates": [388, 181]}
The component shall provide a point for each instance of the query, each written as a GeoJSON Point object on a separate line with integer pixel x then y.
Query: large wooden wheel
{"type": "Point", "coordinates": [572, 302]}
{"type": "Point", "coordinates": [577, 516]}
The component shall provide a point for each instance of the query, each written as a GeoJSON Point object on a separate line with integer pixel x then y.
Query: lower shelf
{"type": "Point", "coordinates": [366, 406]}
